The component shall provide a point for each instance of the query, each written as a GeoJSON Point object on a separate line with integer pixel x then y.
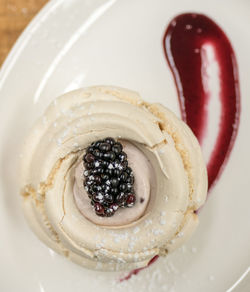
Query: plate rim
{"type": "Point", "coordinates": [24, 37]}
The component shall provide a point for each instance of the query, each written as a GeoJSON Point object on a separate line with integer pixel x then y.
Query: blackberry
{"type": "Point", "coordinates": [104, 147]}
{"type": "Point", "coordinates": [90, 149]}
{"type": "Point", "coordinates": [96, 152]}
{"type": "Point", "coordinates": [130, 200]}
{"type": "Point", "coordinates": [114, 191]}
{"type": "Point", "coordinates": [122, 156]}
{"type": "Point", "coordinates": [89, 165]}
{"type": "Point", "coordinates": [108, 179]}
{"type": "Point", "coordinates": [129, 187]}
{"type": "Point", "coordinates": [121, 198]}
{"type": "Point", "coordinates": [98, 197]}
{"type": "Point", "coordinates": [109, 172]}
{"type": "Point", "coordinates": [91, 190]}
{"type": "Point", "coordinates": [108, 198]}
{"type": "Point", "coordinates": [99, 209]}
{"type": "Point", "coordinates": [98, 170]}
{"type": "Point", "coordinates": [109, 212]}
{"type": "Point", "coordinates": [124, 176]}
{"type": "Point", "coordinates": [123, 187]}
{"type": "Point", "coordinates": [89, 157]}
{"type": "Point", "coordinates": [105, 163]}
{"type": "Point", "coordinates": [129, 171]}
{"type": "Point", "coordinates": [114, 182]}
{"type": "Point", "coordinates": [117, 172]}
{"type": "Point", "coordinates": [109, 155]}
{"type": "Point", "coordinates": [117, 148]}
{"type": "Point", "coordinates": [114, 206]}
{"type": "Point", "coordinates": [97, 179]}
{"type": "Point", "coordinates": [125, 164]}
{"type": "Point", "coordinates": [105, 177]}
{"type": "Point", "coordinates": [97, 143]}
{"type": "Point", "coordinates": [130, 179]}
{"type": "Point", "coordinates": [109, 140]}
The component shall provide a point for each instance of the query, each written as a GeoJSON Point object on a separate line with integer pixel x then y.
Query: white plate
{"type": "Point", "coordinates": [84, 42]}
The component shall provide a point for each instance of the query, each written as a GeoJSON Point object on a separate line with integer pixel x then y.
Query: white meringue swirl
{"type": "Point", "coordinates": [53, 151]}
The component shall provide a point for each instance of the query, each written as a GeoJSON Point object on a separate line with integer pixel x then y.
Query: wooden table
{"type": "Point", "coordinates": [14, 17]}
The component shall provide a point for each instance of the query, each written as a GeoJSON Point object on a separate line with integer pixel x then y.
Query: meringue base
{"type": "Point", "coordinates": [57, 143]}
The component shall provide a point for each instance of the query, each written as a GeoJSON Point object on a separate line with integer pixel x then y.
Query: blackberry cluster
{"type": "Point", "coordinates": [108, 179]}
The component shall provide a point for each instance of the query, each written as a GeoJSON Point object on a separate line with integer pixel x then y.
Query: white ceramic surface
{"type": "Point", "coordinates": [73, 43]}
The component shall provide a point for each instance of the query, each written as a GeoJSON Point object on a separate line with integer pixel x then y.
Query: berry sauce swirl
{"type": "Point", "coordinates": [186, 43]}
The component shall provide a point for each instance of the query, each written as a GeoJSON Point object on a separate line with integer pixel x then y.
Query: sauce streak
{"type": "Point", "coordinates": [136, 271]}
{"type": "Point", "coordinates": [185, 40]}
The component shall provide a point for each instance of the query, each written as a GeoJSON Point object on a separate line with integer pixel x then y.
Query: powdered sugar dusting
{"type": "Point", "coordinates": [157, 231]}
{"type": "Point", "coordinates": [162, 221]}
{"type": "Point", "coordinates": [148, 222]}
{"type": "Point", "coordinates": [136, 230]}
{"type": "Point", "coordinates": [45, 120]}
{"type": "Point", "coordinates": [171, 273]}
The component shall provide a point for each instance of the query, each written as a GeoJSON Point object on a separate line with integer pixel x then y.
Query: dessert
{"type": "Point", "coordinates": [168, 181]}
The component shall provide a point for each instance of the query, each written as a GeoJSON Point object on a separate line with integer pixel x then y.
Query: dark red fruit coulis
{"type": "Point", "coordinates": [136, 271]}
{"type": "Point", "coordinates": [183, 42]}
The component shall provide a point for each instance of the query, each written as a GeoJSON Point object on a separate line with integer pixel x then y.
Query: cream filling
{"type": "Point", "coordinates": [144, 178]}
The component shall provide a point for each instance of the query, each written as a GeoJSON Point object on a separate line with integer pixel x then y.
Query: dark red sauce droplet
{"type": "Point", "coordinates": [136, 271]}
{"type": "Point", "coordinates": [142, 200]}
{"type": "Point", "coordinates": [183, 43]}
